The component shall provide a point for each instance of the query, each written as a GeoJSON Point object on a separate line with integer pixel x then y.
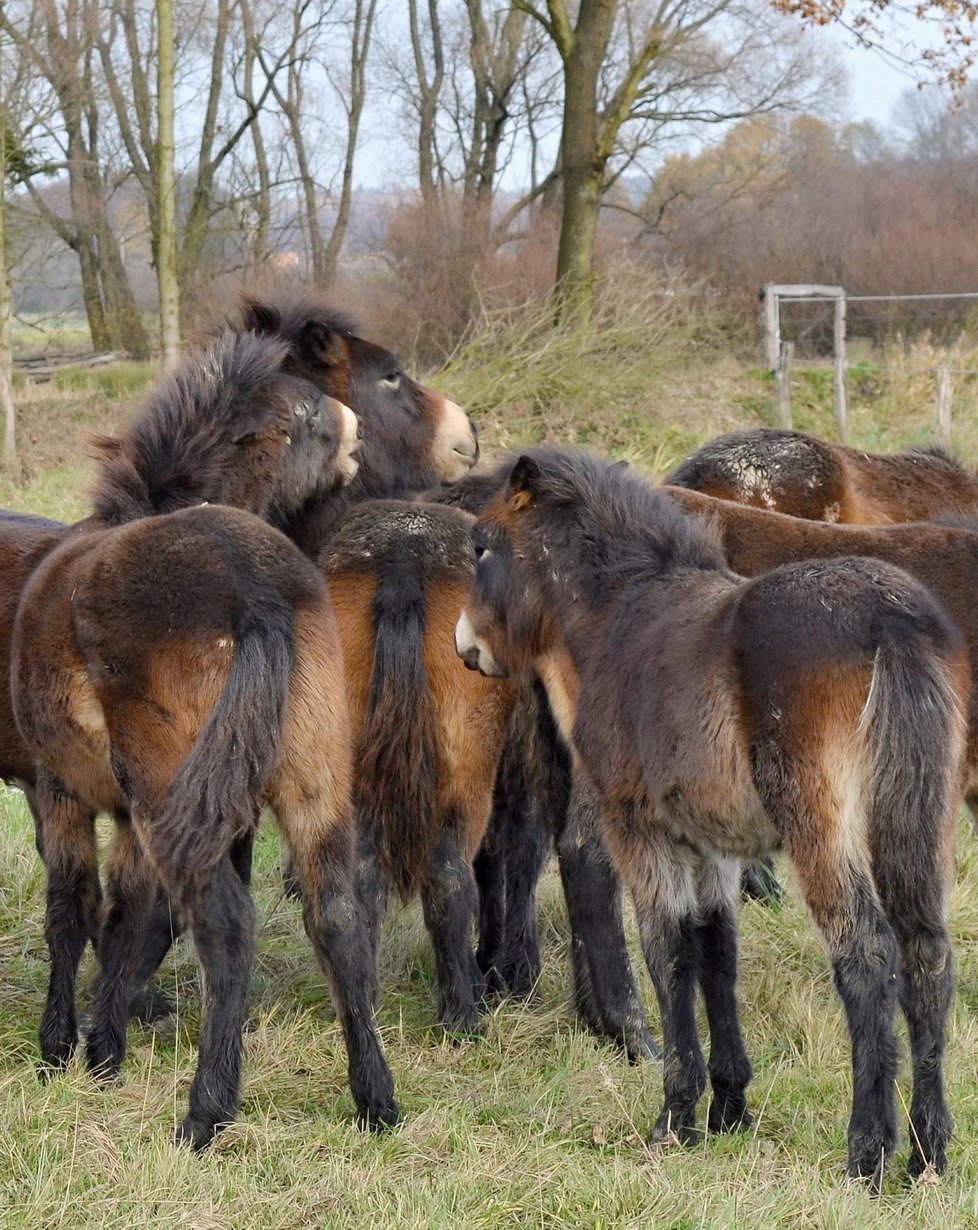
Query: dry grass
{"type": "Point", "coordinates": [537, 1124]}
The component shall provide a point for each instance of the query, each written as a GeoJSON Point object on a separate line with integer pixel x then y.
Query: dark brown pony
{"type": "Point", "coordinates": [177, 670]}
{"type": "Point", "coordinates": [793, 473]}
{"type": "Point", "coordinates": [414, 437]}
{"type": "Point", "coordinates": [427, 733]}
{"type": "Point", "coordinates": [712, 731]}
{"type": "Point", "coordinates": [944, 557]}
{"type": "Point", "coordinates": [536, 805]}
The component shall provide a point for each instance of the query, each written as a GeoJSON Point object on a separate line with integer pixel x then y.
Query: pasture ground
{"type": "Point", "coordinates": [536, 1125]}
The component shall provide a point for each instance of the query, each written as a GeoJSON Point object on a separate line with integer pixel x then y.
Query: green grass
{"type": "Point", "coordinates": [535, 1125]}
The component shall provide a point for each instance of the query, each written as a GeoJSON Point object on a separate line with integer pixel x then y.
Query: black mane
{"type": "Point", "coordinates": [644, 530]}
{"type": "Point", "coordinates": [181, 444]}
{"type": "Point", "coordinates": [288, 311]}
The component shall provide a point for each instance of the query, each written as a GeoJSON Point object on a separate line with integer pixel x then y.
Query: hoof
{"type": "Point", "coordinates": [195, 1134]}
{"type": "Point", "coordinates": [103, 1062]}
{"type": "Point", "coordinates": [671, 1129]}
{"type": "Point", "coordinates": [463, 1026]}
{"type": "Point", "coordinates": [759, 883]}
{"type": "Point", "coordinates": [867, 1164]}
{"type": "Point", "coordinates": [729, 1115]}
{"type": "Point", "coordinates": [57, 1051]}
{"type": "Point", "coordinates": [148, 1006]}
{"type": "Point", "coordinates": [380, 1117]}
{"type": "Point", "coordinates": [642, 1047]}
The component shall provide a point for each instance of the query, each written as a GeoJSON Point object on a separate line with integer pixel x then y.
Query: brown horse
{"type": "Point", "coordinates": [712, 731]}
{"type": "Point", "coordinates": [944, 557]}
{"type": "Point", "coordinates": [428, 734]}
{"type": "Point", "coordinates": [177, 670]}
{"type": "Point", "coordinates": [793, 473]}
{"type": "Point", "coordinates": [412, 438]}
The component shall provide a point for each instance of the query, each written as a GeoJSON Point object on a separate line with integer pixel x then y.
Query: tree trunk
{"type": "Point", "coordinates": [6, 314]}
{"type": "Point", "coordinates": [581, 160]}
{"type": "Point", "coordinates": [166, 266]}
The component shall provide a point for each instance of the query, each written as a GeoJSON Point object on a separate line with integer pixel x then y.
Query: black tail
{"type": "Point", "coordinates": [917, 726]}
{"type": "Point", "coordinates": [215, 795]}
{"type": "Point", "coordinates": [397, 757]}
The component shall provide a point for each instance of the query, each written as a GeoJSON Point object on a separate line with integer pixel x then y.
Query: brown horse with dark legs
{"type": "Point", "coordinates": [178, 670]}
{"type": "Point", "coordinates": [713, 732]}
{"type": "Point", "coordinates": [193, 441]}
{"type": "Point", "coordinates": [944, 557]}
{"type": "Point", "coordinates": [793, 473]}
{"type": "Point", "coordinates": [414, 438]}
{"type": "Point", "coordinates": [427, 733]}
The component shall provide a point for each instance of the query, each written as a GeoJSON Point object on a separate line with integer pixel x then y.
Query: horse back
{"type": "Point", "coordinates": [24, 541]}
{"type": "Point", "coordinates": [399, 574]}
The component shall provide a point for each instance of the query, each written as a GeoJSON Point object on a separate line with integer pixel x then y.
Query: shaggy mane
{"type": "Point", "coordinates": [646, 530]}
{"type": "Point", "coordinates": [287, 310]}
{"type": "Point", "coordinates": [181, 442]}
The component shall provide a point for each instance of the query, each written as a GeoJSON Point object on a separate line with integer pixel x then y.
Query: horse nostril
{"type": "Point", "coordinates": [471, 658]}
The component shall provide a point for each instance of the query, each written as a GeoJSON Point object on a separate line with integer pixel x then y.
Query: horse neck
{"type": "Point", "coordinates": [124, 492]}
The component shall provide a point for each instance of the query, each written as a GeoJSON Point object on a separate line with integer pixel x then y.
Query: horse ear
{"type": "Point", "coordinates": [322, 344]}
{"type": "Point", "coordinates": [619, 465]}
{"type": "Point", "coordinates": [523, 483]}
{"type": "Point", "coordinates": [261, 317]}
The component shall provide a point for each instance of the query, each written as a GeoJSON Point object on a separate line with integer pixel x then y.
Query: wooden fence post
{"type": "Point", "coordinates": [944, 393]}
{"type": "Point", "coordinates": [771, 325]}
{"type": "Point", "coordinates": [841, 368]}
{"type": "Point", "coordinates": [782, 382]}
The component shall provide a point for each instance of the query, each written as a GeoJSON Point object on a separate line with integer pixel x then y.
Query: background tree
{"type": "Point", "coordinates": [634, 72]}
{"type": "Point", "coordinates": [166, 256]}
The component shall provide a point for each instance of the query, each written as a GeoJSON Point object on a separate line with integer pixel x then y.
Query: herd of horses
{"type": "Point", "coordinates": [290, 562]}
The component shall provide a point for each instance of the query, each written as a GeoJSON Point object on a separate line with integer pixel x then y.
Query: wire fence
{"type": "Point", "coordinates": [933, 335]}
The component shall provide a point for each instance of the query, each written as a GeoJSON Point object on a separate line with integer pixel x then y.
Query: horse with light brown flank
{"type": "Point", "coordinates": [412, 438]}
{"type": "Point", "coordinates": [794, 473]}
{"type": "Point", "coordinates": [177, 671]}
{"type": "Point", "coordinates": [713, 731]}
{"type": "Point", "coordinates": [427, 733]}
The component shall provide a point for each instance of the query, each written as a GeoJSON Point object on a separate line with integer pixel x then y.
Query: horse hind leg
{"type": "Point", "coordinates": [67, 835]}
{"type": "Point", "coordinates": [220, 919]}
{"type": "Point", "coordinates": [912, 877]}
{"type": "Point", "coordinates": [449, 901]}
{"type": "Point", "coordinates": [729, 1067]}
{"type": "Point", "coordinates": [129, 915]}
{"type": "Point", "coordinates": [319, 832]}
{"type": "Point", "coordinates": [822, 822]}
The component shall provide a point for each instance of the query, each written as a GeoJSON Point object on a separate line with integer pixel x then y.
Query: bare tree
{"type": "Point", "coordinates": [166, 253]}
{"type": "Point", "coordinates": [59, 45]}
{"type": "Point", "coordinates": [6, 307]}
{"type": "Point", "coordinates": [310, 60]}
{"type": "Point", "coordinates": [636, 70]}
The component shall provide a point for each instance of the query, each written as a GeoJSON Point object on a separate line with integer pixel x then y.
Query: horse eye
{"type": "Point", "coordinates": [392, 380]}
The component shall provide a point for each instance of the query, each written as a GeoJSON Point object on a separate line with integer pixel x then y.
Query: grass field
{"type": "Point", "coordinates": [537, 1124]}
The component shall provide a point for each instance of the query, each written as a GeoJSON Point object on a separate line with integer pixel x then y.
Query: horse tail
{"type": "Point", "coordinates": [915, 716]}
{"type": "Point", "coordinates": [397, 758]}
{"type": "Point", "coordinates": [215, 796]}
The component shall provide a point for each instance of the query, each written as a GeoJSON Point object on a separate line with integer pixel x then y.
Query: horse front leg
{"type": "Point", "coordinates": [660, 876]}
{"type": "Point", "coordinates": [605, 991]}
{"type": "Point", "coordinates": [730, 1068]}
